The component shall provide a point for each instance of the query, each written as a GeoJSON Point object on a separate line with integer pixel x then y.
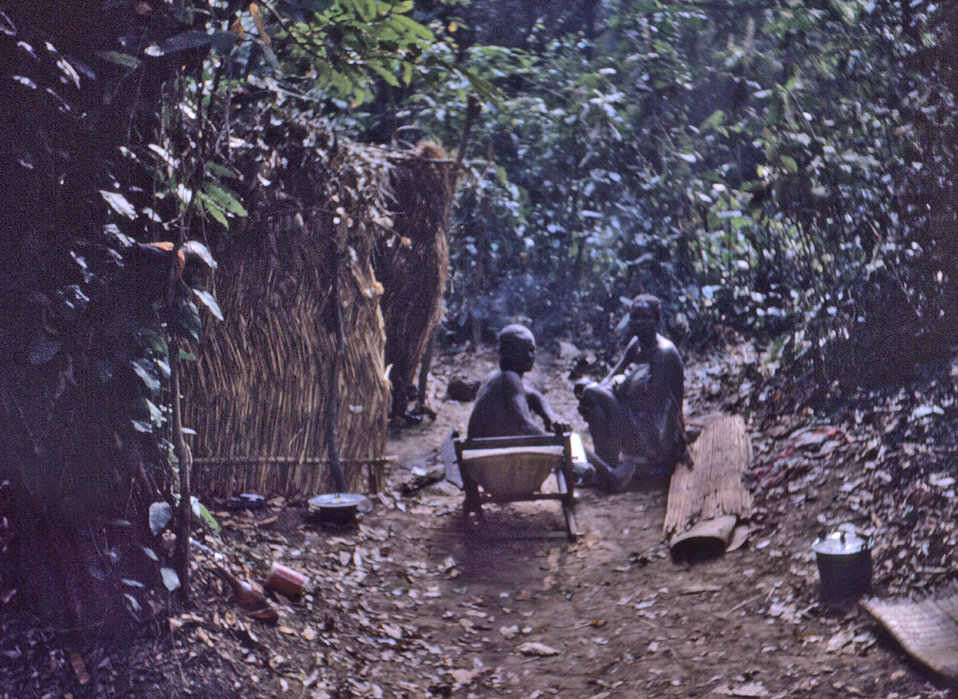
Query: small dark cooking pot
{"type": "Point", "coordinates": [844, 564]}
{"type": "Point", "coordinates": [340, 508]}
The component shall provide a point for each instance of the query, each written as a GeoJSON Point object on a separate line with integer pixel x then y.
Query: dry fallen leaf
{"type": "Point", "coordinates": [392, 631]}
{"type": "Point", "coordinates": [752, 689]}
{"type": "Point", "coordinates": [79, 668]}
{"type": "Point", "coordinates": [203, 636]}
{"type": "Point", "coordinates": [532, 648]}
{"type": "Point", "coordinates": [463, 677]}
{"type": "Point", "coordinates": [839, 641]}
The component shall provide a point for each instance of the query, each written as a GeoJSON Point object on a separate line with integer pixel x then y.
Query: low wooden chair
{"type": "Point", "coordinates": [513, 469]}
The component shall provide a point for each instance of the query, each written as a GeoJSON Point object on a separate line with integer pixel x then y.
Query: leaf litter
{"type": "Point", "coordinates": [416, 601]}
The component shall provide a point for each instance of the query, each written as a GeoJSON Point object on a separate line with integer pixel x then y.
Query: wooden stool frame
{"type": "Point", "coordinates": [476, 496]}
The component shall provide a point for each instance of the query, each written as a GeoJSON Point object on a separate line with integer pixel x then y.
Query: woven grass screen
{"type": "Point", "coordinates": [260, 397]}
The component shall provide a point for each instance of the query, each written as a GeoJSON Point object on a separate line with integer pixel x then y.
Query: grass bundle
{"type": "Point", "coordinates": [413, 263]}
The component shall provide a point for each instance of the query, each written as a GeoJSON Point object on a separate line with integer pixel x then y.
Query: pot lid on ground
{"type": "Point", "coordinates": [840, 543]}
{"type": "Point", "coordinates": [328, 500]}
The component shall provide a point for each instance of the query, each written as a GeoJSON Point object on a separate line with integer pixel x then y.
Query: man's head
{"type": "Point", "coordinates": [517, 348]}
{"type": "Point", "coordinates": [645, 314]}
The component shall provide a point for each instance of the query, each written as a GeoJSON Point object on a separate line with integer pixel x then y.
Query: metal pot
{"type": "Point", "coordinates": [339, 508]}
{"type": "Point", "coordinates": [844, 564]}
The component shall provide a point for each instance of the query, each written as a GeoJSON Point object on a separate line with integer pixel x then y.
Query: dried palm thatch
{"type": "Point", "coordinates": [261, 393]}
{"type": "Point", "coordinates": [705, 501]}
{"type": "Point", "coordinates": [413, 263]}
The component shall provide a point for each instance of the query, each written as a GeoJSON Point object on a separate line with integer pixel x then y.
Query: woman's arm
{"type": "Point", "coordinates": [628, 357]}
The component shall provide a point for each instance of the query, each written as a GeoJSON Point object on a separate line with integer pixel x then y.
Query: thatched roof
{"type": "Point", "coordinates": [260, 396]}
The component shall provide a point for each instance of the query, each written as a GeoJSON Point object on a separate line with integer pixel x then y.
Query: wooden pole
{"type": "Point", "coordinates": [473, 108]}
{"type": "Point", "coordinates": [181, 551]}
{"type": "Point", "coordinates": [181, 558]}
{"type": "Point", "coordinates": [332, 415]}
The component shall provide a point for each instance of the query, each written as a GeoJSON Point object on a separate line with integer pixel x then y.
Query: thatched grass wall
{"type": "Point", "coordinates": [260, 396]}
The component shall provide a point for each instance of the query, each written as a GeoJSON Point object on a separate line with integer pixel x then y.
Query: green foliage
{"type": "Point", "coordinates": [95, 170]}
{"type": "Point", "coordinates": [333, 50]}
{"type": "Point", "coordinates": [784, 170]}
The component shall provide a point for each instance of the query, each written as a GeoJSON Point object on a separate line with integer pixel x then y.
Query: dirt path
{"type": "Point", "coordinates": [522, 612]}
{"type": "Point", "coordinates": [419, 601]}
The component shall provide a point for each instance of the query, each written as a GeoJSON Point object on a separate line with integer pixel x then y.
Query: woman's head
{"type": "Point", "coordinates": [645, 314]}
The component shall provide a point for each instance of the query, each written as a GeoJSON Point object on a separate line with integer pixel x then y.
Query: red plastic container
{"type": "Point", "coordinates": [286, 581]}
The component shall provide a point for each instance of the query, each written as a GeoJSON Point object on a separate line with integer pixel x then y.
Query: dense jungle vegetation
{"type": "Point", "coordinates": [784, 170]}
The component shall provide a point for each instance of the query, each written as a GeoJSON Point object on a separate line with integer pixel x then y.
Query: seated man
{"type": "Point", "coordinates": [504, 406]}
{"type": "Point", "coordinates": [635, 413]}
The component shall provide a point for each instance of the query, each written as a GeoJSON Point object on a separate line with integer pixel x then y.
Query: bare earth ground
{"type": "Point", "coordinates": [419, 601]}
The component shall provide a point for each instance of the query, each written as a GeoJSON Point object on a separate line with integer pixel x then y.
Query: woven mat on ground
{"type": "Point", "coordinates": [927, 631]}
{"type": "Point", "coordinates": [708, 501]}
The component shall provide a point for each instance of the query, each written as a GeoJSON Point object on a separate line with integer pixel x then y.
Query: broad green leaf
{"type": "Point", "coordinates": [199, 509]}
{"type": "Point", "coordinates": [170, 579]}
{"type": "Point", "coordinates": [119, 203]}
{"type": "Point", "coordinates": [142, 426]}
{"type": "Point", "coordinates": [717, 118]}
{"type": "Point", "coordinates": [386, 74]}
{"type": "Point", "coordinates": [197, 248]}
{"type": "Point", "coordinates": [366, 9]}
{"type": "Point", "coordinates": [155, 342]}
{"type": "Point", "coordinates": [219, 170]}
{"type": "Point", "coordinates": [160, 515]}
{"type": "Point", "coordinates": [146, 370]}
{"type": "Point", "coordinates": [412, 27]}
{"type": "Point", "coordinates": [187, 319]}
{"type": "Point", "coordinates": [210, 302]}
{"type": "Point", "coordinates": [789, 163]}
{"type": "Point", "coordinates": [207, 205]}
{"type": "Point", "coordinates": [120, 59]}
{"type": "Point", "coordinates": [224, 198]}
{"type": "Point", "coordinates": [184, 41]}
{"type": "Point", "coordinates": [156, 415]}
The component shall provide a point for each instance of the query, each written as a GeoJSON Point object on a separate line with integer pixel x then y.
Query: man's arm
{"type": "Point", "coordinates": [540, 406]}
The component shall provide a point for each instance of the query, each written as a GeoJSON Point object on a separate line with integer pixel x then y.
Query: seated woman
{"type": "Point", "coordinates": [504, 406]}
{"type": "Point", "coordinates": [635, 413]}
